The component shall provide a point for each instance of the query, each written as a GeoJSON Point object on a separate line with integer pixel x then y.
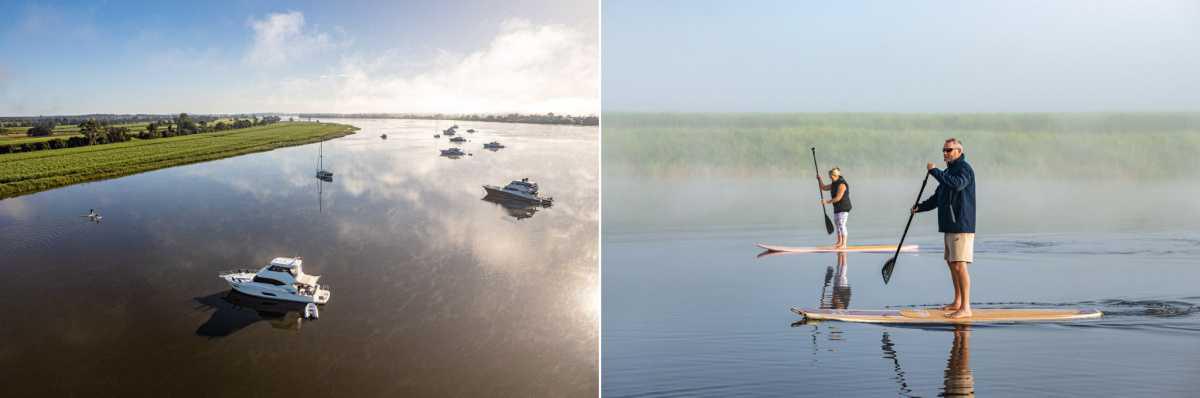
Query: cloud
{"type": "Point", "coordinates": [281, 37]}
{"type": "Point", "coordinates": [525, 68]}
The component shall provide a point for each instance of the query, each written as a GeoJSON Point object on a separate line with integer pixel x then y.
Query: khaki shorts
{"type": "Point", "coordinates": [960, 247]}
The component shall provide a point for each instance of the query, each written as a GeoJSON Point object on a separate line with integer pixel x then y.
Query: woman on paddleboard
{"type": "Point", "coordinates": [839, 193]}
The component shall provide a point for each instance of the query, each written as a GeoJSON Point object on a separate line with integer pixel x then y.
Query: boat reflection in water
{"type": "Point", "coordinates": [234, 311]}
{"type": "Point", "coordinates": [517, 209]}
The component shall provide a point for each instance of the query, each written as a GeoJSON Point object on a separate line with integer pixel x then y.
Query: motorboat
{"type": "Point", "coordinates": [458, 139]}
{"type": "Point", "coordinates": [453, 152]}
{"type": "Point", "coordinates": [520, 190]}
{"type": "Point", "coordinates": [493, 145]}
{"type": "Point", "coordinates": [282, 279]}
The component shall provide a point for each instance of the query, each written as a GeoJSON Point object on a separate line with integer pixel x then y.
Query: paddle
{"type": "Point", "coordinates": [891, 263]}
{"type": "Point", "coordinates": [828, 222]}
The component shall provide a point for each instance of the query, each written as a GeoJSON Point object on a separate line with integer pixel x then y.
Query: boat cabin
{"type": "Point", "coordinates": [284, 271]}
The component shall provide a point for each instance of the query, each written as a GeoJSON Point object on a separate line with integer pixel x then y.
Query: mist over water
{"type": "Point", "coordinates": [1066, 218]}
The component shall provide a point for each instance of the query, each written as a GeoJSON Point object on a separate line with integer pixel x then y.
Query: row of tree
{"type": "Point", "coordinates": [95, 132]}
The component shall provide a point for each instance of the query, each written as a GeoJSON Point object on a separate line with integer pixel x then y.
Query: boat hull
{"type": "Point", "coordinates": [501, 193]}
{"type": "Point", "coordinates": [244, 285]}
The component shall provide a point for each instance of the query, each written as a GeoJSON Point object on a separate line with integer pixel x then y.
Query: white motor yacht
{"type": "Point", "coordinates": [282, 279]}
{"type": "Point", "coordinates": [520, 190]}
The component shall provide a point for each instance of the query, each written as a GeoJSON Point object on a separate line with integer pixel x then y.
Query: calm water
{"type": "Point", "coordinates": [689, 310]}
{"type": "Point", "coordinates": [434, 291]}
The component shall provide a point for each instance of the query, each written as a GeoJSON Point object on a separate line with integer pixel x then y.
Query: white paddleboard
{"type": "Point", "coordinates": [936, 316]}
{"type": "Point", "coordinates": [831, 249]}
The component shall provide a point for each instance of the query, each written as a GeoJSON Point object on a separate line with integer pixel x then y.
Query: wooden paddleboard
{"type": "Point", "coordinates": [936, 316]}
{"type": "Point", "coordinates": [831, 249]}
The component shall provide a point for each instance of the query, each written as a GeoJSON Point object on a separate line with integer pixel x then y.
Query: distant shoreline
{"type": "Point", "coordinates": [548, 118]}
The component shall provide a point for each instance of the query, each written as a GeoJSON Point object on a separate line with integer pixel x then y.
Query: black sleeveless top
{"type": "Point", "coordinates": [844, 204]}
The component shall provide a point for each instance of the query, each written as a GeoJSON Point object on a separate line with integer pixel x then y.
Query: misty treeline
{"type": "Point", "coordinates": [1019, 145]}
{"type": "Point", "coordinates": [103, 131]}
{"type": "Point", "coordinates": [548, 118]}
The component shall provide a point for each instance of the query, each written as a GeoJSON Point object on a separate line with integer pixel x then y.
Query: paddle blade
{"type": "Point", "coordinates": [888, 267]}
{"type": "Point", "coordinates": [828, 225]}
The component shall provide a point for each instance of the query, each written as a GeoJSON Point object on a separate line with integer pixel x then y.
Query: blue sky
{"type": "Point", "coordinates": [900, 56]}
{"type": "Point", "coordinates": [263, 56]}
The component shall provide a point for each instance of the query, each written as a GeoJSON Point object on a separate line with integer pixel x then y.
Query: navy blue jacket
{"type": "Point", "coordinates": [954, 198]}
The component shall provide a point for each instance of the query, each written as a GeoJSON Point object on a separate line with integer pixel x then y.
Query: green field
{"type": "Point", "coordinates": [17, 135]}
{"type": "Point", "coordinates": [1034, 145]}
{"type": "Point", "coordinates": [28, 172]}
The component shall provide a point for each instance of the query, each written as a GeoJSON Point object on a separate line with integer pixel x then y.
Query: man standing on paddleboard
{"type": "Point", "coordinates": [955, 201]}
{"type": "Point", "coordinates": [839, 196]}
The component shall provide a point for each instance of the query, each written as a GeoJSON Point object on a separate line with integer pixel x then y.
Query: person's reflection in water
{"type": "Point", "coordinates": [840, 298]}
{"type": "Point", "coordinates": [959, 380]}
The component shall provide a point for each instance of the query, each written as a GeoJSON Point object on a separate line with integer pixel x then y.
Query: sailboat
{"type": "Point", "coordinates": [323, 174]}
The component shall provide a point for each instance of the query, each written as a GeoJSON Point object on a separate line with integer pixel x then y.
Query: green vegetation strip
{"type": "Point", "coordinates": [1093, 145]}
{"type": "Point", "coordinates": [24, 173]}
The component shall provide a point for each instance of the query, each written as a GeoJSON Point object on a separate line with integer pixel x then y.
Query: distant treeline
{"type": "Point", "coordinates": [1091, 145]}
{"type": "Point", "coordinates": [99, 132]}
{"type": "Point", "coordinates": [549, 118]}
{"type": "Point", "coordinates": [112, 119]}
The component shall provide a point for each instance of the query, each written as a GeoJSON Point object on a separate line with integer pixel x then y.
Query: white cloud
{"type": "Point", "coordinates": [281, 37]}
{"type": "Point", "coordinates": [525, 68]}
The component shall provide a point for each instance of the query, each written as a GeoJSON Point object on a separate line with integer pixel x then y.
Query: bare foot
{"type": "Point", "coordinates": [950, 307]}
{"type": "Point", "coordinates": [963, 313]}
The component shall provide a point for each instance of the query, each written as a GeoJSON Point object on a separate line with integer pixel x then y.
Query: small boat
{"type": "Point", "coordinates": [470, 130]}
{"type": "Point", "coordinates": [437, 136]}
{"type": "Point", "coordinates": [452, 152]}
{"type": "Point", "coordinates": [493, 145]}
{"type": "Point", "coordinates": [282, 279]}
{"type": "Point", "coordinates": [520, 190]}
{"type": "Point", "coordinates": [310, 311]}
{"type": "Point", "coordinates": [93, 215]}
{"type": "Point", "coordinates": [448, 132]}
{"type": "Point", "coordinates": [384, 136]}
{"type": "Point", "coordinates": [458, 139]}
{"type": "Point", "coordinates": [322, 174]}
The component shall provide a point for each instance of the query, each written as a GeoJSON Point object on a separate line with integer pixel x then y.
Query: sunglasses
{"type": "Point", "coordinates": [948, 149]}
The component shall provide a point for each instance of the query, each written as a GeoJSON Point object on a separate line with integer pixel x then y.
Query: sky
{"type": "Point", "coordinates": [900, 56]}
{"type": "Point", "coordinates": [474, 56]}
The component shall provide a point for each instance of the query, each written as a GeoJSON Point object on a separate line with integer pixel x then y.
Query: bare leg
{"type": "Point", "coordinates": [964, 289]}
{"type": "Point", "coordinates": [953, 306]}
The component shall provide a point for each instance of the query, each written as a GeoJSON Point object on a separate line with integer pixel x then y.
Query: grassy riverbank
{"type": "Point", "coordinates": [24, 173]}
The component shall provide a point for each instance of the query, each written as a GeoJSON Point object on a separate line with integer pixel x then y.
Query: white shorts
{"type": "Point", "coordinates": [839, 222]}
{"type": "Point", "coordinates": [960, 247]}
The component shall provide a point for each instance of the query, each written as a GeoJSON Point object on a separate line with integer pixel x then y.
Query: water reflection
{"type": "Point", "coordinates": [516, 209]}
{"type": "Point", "coordinates": [234, 311]}
{"type": "Point", "coordinates": [960, 382]}
{"type": "Point", "coordinates": [439, 292]}
{"type": "Point", "coordinates": [839, 298]}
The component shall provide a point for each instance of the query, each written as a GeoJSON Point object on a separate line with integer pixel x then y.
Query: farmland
{"type": "Point", "coordinates": [24, 173]}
